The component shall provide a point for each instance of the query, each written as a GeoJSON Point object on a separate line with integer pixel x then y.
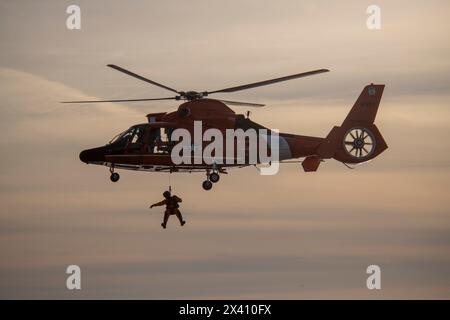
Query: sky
{"type": "Point", "coordinates": [294, 235]}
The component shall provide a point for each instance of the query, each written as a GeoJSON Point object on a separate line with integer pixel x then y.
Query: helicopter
{"type": "Point", "coordinates": [148, 146]}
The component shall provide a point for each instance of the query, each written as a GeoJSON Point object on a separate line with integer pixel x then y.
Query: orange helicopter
{"type": "Point", "coordinates": [148, 146]}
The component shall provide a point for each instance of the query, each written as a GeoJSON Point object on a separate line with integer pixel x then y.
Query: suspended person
{"type": "Point", "coordinates": [172, 205]}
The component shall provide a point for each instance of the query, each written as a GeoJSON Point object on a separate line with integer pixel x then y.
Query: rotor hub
{"type": "Point", "coordinates": [191, 95]}
{"type": "Point", "coordinates": [358, 143]}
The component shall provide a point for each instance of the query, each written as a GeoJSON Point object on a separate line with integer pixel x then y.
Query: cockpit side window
{"type": "Point", "coordinates": [138, 135]}
{"type": "Point", "coordinates": [126, 137]}
{"type": "Point", "coordinates": [135, 140]}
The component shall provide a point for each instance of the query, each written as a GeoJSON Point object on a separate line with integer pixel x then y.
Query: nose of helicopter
{"type": "Point", "coordinates": [93, 155]}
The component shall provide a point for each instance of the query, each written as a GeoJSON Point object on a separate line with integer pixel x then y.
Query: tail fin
{"type": "Point", "coordinates": [365, 108]}
{"type": "Point", "coordinates": [357, 139]}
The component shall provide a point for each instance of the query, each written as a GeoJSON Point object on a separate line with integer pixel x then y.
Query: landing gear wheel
{"type": "Point", "coordinates": [114, 177]}
{"type": "Point", "coordinates": [214, 177]}
{"type": "Point", "coordinates": [207, 185]}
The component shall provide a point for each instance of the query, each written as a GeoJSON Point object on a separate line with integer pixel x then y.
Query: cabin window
{"type": "Point", "coordinates": [159, 140]}
{"type": "Point", "coordinates": [169, 132]}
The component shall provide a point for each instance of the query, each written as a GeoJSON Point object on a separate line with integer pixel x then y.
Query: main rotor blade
{"type": "Point", "coordinates": [267, 82]}
{"type": "Point", "coordinates": [238, 103]}
{"type": "Point", "coordinates": [122, 100]}
{"type": "Point", "coordinates": [141, 77]}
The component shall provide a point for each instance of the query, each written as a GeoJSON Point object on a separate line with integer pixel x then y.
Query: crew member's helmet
{"type": "Point", "coordinates": [166, 194]}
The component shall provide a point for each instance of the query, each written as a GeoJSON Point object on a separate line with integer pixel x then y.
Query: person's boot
{"type": "Point", "coordinates": [183, 223]}
{"type": "Point", "coordinates": [163, 225]}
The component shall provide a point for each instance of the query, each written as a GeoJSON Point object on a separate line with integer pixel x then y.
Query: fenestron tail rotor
{"type": "Point", "coordinates": [194, 95]}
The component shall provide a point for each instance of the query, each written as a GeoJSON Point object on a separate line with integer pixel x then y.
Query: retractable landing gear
{"type": "Point", "coordinates": [114, 175]}
{"type": "Point", "coordinates": [207, 185]}
{"type": "Point", "coordinates": [214, 177]}
{"type": "Point", "coordinates": [211, 177]}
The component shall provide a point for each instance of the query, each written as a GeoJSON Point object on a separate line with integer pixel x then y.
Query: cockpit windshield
{"type": "Point", "coordinates": [134, 135]}
{"type": "Point", "coordinates": [123, 136]}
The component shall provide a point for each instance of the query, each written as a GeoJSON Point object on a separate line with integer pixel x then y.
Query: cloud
{"type": "Point", "coordinates": [31, 112]}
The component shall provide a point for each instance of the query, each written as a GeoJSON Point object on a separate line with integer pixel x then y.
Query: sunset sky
{"type": "Point", "coordinates": [295, 235]}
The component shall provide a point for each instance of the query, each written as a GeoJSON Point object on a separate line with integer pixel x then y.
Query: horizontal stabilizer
{"type": "Point", "coordinates": [311, 163]}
